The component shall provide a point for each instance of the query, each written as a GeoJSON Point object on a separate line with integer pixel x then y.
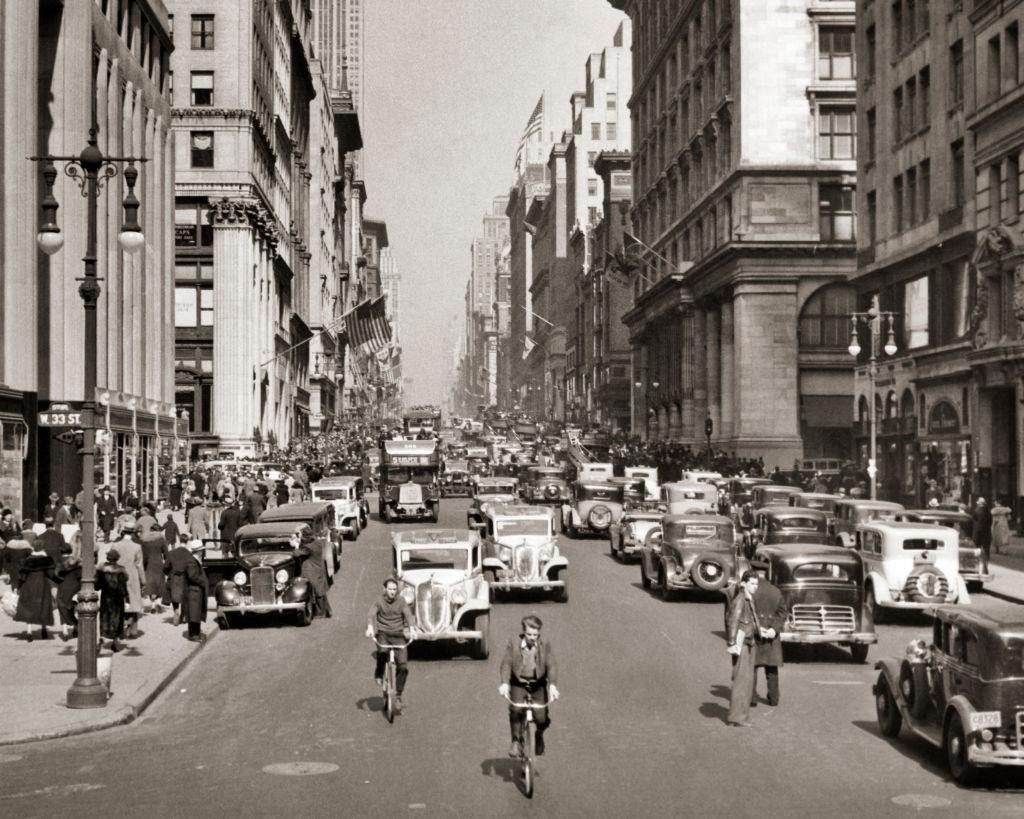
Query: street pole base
{"type": "Point", "coordinates": [87, 694]}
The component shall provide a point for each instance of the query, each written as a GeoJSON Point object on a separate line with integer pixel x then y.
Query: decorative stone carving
{"type": "Point", "coordinates": [1018, 298]}
{"type": "Point", "coordinates": [247, 211]}
{"type": "Point", "coordinates": [979, 313]}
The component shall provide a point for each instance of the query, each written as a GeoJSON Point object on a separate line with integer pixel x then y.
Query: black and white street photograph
{"type": "Point", "coordinates": [571, 409]}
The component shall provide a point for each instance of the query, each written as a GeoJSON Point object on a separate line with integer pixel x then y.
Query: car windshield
{"type": "Point", "coordinates": [341, 493]}
{"type": "Point", "coordinates": [497, 489]}
{"type": "Point", "coordinates": [818, 503]}
{"type": "Point", "coordinates": [920, 544]}
{"type": "Point", "coordinates": [529, 527]}
{"type": "Point", "coordinates": [798, 523]}
{"type": "Point", "coordinates": [697, 531]}
{"type": "Point", "coordinates": [821, 571]}
{"type": "Point", "coordinates": [876, 514]}
{"type": "Point", "coordinates": [255, 545]}
{"type": "Point", "coordinates": [435, 559]}
{"type": "Point", "coordinates": [405, 474]}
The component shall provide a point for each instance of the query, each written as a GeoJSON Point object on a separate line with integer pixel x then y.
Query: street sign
{"type": "Point", "coordinates": [62, 415]}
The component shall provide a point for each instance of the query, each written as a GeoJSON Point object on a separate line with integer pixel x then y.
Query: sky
{"type": "Point", "coordinates": [449, 86]}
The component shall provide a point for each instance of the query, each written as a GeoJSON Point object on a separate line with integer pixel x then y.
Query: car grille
{"type": "Point", "coordinates": [968, 560]}
{"type": "Point", "coordinates": [431, 607]}
{"type": "Point", "coordinates": [524, 562]}
{"type": "Point", "coordinates": [261, 581]}
{"type": "Point", "coordinates": [410, 494]}
{"type": "Point", "coordinates": [822, 619]}
{"type": "Point", "coordinates": [935, 586]}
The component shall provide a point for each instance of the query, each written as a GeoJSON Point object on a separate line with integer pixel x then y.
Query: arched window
{"type": "Point", "coordinates": [825, 318]}
{"type": "Point", "coordinates": [862, 409]}
{"type": "Point", "coordinates": [907, 404]}
{"type": "Point", "coordinates": [878, 407]}
{"type": "Point", "coordinates": [891, 407]}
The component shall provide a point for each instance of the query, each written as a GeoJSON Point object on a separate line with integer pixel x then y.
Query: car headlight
{"type": "Point", "coordinates": [239, 578]}
{"type": "Point", "coordinates": [505, 554]}
{"type": "Point", "coordinates": [459, 596]}
{"type": "Point", "coordinates": [281, 576]}
{"type": "Point", "coordinates": [409, 595]}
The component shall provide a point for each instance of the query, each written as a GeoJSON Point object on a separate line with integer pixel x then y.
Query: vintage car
{"type": "Point", "coordinates": [963, 692]}
{"type": "Point", "coordinates": [909, 566]}
{"type": "Point", "coordinates": [974, 568]}
{"type": "Point", "coordinates": [267, 576]}
{"type": "Point", "coordinates": [440, 576]}
{"type": "Point", "coordinates": [521, 551]}
{"type": "Point", "coordinates": [823, 588]}
{"type": "Point", "coordinates": [786, 524]}
{"type": "Point", "coordinates": [741, 489]}
{"type": "Point", "coordinates": [478, 459]}
{"type": "Point", "coordinates": [341, 494]}
{"type": "Point", "coordinates": [544, 484]}
{"type": "Point", "coordinates": [680, 498]}
{"type": "Point", "coordinates": [595, 506]}
{"type": "Point", "coordinates": [455, 480]}
{"type": "Point", "coordinates": [626, 536]}
{"type": "Point", "coordinates": [772, 494]}
{"type": "Point", "coordinates": [409, 487]}
{"type": "Point", "coordinates": [321, 520]}
{"type": "Point", "coordinates": [698, 476]}
{"type": "Point", "coordinates": [634, 492]}
{"type": "Point", "coordinates": [850, 514]}
{"type": "Point", "coordinates": [650, 478]}
{"type": "Point", "coordinates": [485, 492]}
{"type": "Point", "coordinates": [689, 552]}
{"type": "Point", "coordinates": [817, 500]}
{"type": "Point", "coordinates": [595, 471]}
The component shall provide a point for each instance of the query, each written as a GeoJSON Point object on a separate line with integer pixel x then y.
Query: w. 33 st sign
{"type": "Point", "coordinates": [61, 415]}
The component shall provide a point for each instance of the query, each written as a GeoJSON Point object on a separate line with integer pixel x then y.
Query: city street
{"type": "Point", "coordinates": [282, 720]}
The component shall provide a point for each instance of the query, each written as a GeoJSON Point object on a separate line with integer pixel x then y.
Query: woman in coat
{"type": "Point", "coordinates": [175, 566]}
{"type": "Point", "coordinates": [112, 583]}
{"type": "Point", "coordinates": [154, 551]}
{"type": "Point", "coordinates": [37, 577]}
{"type": "Point", "coordinates": [69, 572]}
{"type": "Point", "coordinates": [194, 602]}
{"type": "Point", "coordinates": [314, 569]}
{"type": "Point", "coordinates": [130, 553]}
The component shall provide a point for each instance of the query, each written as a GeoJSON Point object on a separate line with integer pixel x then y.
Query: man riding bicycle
{"type": "Point", "coordinates": [390, 622]}
{"type": "Point", "coordinates": [528, 667]}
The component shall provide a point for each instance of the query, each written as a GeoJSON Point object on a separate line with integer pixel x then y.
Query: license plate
{"type": "Point", "coordinates": [986, 719]}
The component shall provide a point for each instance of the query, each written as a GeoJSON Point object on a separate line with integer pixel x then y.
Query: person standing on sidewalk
{"type": "Point", "coordinates": [770, 608]}
{"type": "Point", "coordinates": [194, 601]}
{"type": "Point", "coordinates": [1000, 527]}
{"type": "Point", "coordinates": [106, 512]}
{"type": "Point", "coordinates": [18, 549]}
{"type": "Point", "coordinates": [154, 552]}
{"type": "Point", "coordinates": [983, 527]}
{"type": "Point", "coordinates": [175, 565]}
{"type": "Point", "coordinates": [112, 583]}
{"type": "Point", "coordinates": [69, 572]}
{"type": "Point", "coordinates": [130, 553]}
{"type": "Point", "coordinates": [199, 521]}
{"type": "Point", "coordinates": [741, 628]}
{"type": "Point", "coordinates": [38, 578]}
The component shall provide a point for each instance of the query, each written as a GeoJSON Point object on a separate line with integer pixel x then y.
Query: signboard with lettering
{"type": "Point", "coordinates": [185, 236]}
{"type": "Point", "coordinates": [61, 415]}
{"type": "Point", "coordinates": [780, 204]}
{"type": "Point", "coordinates": [410, 460]}
{"type": "Point", "coordinates": [943, 419]}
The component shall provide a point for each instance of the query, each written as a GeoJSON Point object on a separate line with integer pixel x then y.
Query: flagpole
{"type": "Point", "coordinates": [528, 310]}
{"type": "Point", "coordinates": [330, 326]}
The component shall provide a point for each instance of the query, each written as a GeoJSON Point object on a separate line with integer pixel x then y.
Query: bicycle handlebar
{"type": "Point", "coordinates": [388, 645]}
{"type": "Point", "coordinates": [527, 705]}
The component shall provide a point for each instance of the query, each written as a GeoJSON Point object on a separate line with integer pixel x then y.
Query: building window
{"type": "Point", "coordinates": [1012, 187]}
{"type": "Point", "coordinates": [897, 115]}
{"type": "Point", "coordinates": [915, 313]}
{"type": "Point", "coordinates": [869, 38]}
{"type": "Point", "coordinates": [872, 218]}
{"type": "Point", "coordinates": [825, 317]}
{"type": "Point", "coordinates": [897, 26]}
{"type": "Point", "coordinates": [835, 53]}
{"type": "Point", "coordinates": [202, 88]}
{"type": "Point", "coordinates": [924, 93]}
{"type": "Point", "coordinates": [956, 73]}
{"type": "Point", "coordinates": [911, 193]}
{"type": "Point", "coordinates": [897, 204]}
{"type": "Point", "coordinates": [910, 107]}
{"type": "Point", "coordinates": [872, 121]}
{"type": "Point", "coordinates": [611, 101]}
{"type": "Point", "coordinates": [595, 130]}
{"type": "Point", "coordinates": [202, 32]}
{"type": "Point", "coordinates": [591, 157]}
{"type": "Point", "coordinates": [924, 185]}
{"type": "Point", "coordinates": [202, 149]}
{"type": "Point", "coordinates": [192, 227]}
{"type": "Point", "coordinates": [1012, 58]}
{"type": "Point", "coordinates": [950, 319]}
{"type": "Point", "coordinates": [995, 195]}
{"type": "Point", "coordinates": [836, 215]}
{"type": "Point", "coordinates": [193, 306]}
{"type": "Point", "coordinates": [837, 133]}
{"type": "Point", "coordinates": [994, 76]}
{"type": "Point", "coordinates": [957, 172]}
{"type": "Point", "coordinates": [611, 131]}
{"type": "Point", "coordinates": [592, 187]}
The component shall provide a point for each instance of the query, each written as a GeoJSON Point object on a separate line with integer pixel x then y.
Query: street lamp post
{"type": "Point", "coordinates": [873, 318]}
{"type": "Point", "coordinates": [90, 169]}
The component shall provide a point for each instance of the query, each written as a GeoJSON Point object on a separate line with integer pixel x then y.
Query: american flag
{"type": "Point", "coordinates": [534, 125]}
{"type": "Point", "coordinates": [367, 323]}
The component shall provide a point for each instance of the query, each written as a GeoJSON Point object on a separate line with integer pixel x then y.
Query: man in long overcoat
{"type": "Point", "coordinates": [106, 511]}
{"type": "Point", "coordinates": [314, 569]}
{"type": "Point", "coordinates": [175, 565]}
{"type": "Point", "coordinates": [771, 615]}
{"type": "Point", "coordinates": [194, 602]}
{"type": "Point", "coordinates": [131, 560]}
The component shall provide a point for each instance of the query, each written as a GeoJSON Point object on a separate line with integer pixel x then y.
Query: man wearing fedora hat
{"type": "Point", "coordinates": [131, 559]}
{"type": "Point", "coordinates": [106, 511]}
{"type": "Point", "coordinates": [50, 510]}
{"type": "Point", "coordinates": [983, 526]}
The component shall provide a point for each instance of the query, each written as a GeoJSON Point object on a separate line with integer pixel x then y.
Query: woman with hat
{"type": "Point", "coordinates": [112, 583]}
{"type": "Point", "coordinates": [69, 574]}
{"type": "Point", "coordinates": [37, 576]}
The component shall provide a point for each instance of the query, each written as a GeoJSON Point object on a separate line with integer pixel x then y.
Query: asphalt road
{"type": "Point", "coordinates": [639, 731]}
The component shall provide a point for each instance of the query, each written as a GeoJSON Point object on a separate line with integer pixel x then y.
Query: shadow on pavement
{"type": "Point", "coordinates": [505, 768]}
{"type": "Point", "coordinates": [910, 746]}
{"type": "Point", "coordinates": [721, 691]}
{"type": "Point", "coordinates": [373, 704]}
{"type": "Point", "coordinates": [714, 710]}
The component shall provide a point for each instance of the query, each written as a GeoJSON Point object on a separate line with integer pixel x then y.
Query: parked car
{"type": "Point", "coordinates": [266, 573]}
{"type": "Point", "coordinates": [689, 552]}
{"type": "Point", "coordinates": [650, 477]}
{"type": "Point", "coordinates": [823, 588]}
{"type": "Point", "coordinates": [772, 494]}
{"type": "Point", "coordinates": [786, 524]}
{"type": "Point", "coordinates": [544, 484]}
{"type": "Point", "coordinates": [852, 513]}
{"type": "Point", "coordinates": [963, 692]}
{"type": "Point", "coordinates": [341, 494]}
{"type": "Point", "coordinates": [455, 480]}
{"type": "Point", "coordinates": [440, 574]}
{"type": "Point", "coordinates": [686, 498]}
{"type": "Point", "coordinates": [817, 500]}
{"type": "Point", "coordinates": [521, 551]}
{"type": "Point", "coordinates": [974, 568]}
{"type": "Point", "coordinates": [485, 492]}
{"type": "Point", "coordinates": [909, 566]}
{"type": "Point", "coordinates": [320, 519]}
{"type": "Point", "coordinates": [595, 506]}
{"type": "Point", "coordinates": [741, 490]}
{"type": "Point", "coordinates": [627, 535]}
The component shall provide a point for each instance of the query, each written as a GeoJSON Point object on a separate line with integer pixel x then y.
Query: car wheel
{"type": "Point", "coordinates": [859, 652]}
{"type": "Point", "coordinates": [645, 581]}
{"type": "Point", "coordinates": [228, 621]}
{"type": "Point", "coordinates": [872, 611]}
{"type": "Point", "coordinates": [914, 688]}
{"type": "Point", "coordinates": [709, 575]}
{"type": "Point", "coordinates": [974, 586]}
{"type": "Point", "coordinates": [663, 590]}
{"type": "Point", "coordinates": [955, 746]}
{"type": "Point", "coordinates": [562, 592]}
{"type": "Point", "coordinates": [890, 720]}
{"type": "Point", "coordinates": [305, 616]}
{"type": "Point", "coordinates": [611, 547]}
{"type": "Point", "coordinates": [570, 530]}
{"type": "Point", "coordinates": [483, 624]}
{"type": "Point", "coordinates": [491, 578]}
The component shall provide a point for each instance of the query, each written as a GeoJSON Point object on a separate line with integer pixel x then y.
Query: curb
{"type": "Point", "coordinates": [1009, 598]}
{"type": "Point", "coordinates": [128, 712]}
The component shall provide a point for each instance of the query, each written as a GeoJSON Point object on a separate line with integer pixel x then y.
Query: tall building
{"type": "Point", "coordinates": [942, 131]}
{"type": "Point", "coordinates": [68, 67]}
{"type": "Point", "coordinates": [743, 187]}
{"type": "Point", "coordinates": [391, 286]}
{"type": "Point", "coordinates": [337, 38]}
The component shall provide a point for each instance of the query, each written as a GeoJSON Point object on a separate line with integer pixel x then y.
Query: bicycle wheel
{"type": "Point", "coordinates": [389, 691]}
{"type": "Point", "coordinates": [529, 751]}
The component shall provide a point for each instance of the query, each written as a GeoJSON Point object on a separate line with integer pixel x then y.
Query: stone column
{"type": "Point", "coordinates": [686, 364]}
{"type": "Point", "coordinates": [700, 374]}
{"type": "Point", "coordinates": [726, 381]}
{"type": "Point", "coordinates": [674, 422]}
{"type": "Point", "coordinates": [232, 234]}
{"type": "Point", "coordinates": [714, 373]}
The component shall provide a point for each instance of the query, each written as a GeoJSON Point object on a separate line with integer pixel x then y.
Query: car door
{"type": "Point", "coordinates": [650, 555]}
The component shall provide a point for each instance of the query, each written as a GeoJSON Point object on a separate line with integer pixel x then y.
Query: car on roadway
{"type": "Point", "coordinates": [321, 521]}
{"type": "Point", "coordinates": [821, 501]}
{"type": "Point", "coordinates": [485, 492]}
{"type": "Point", "coordinates": [786, 524]}
{"type": "Point", "coordinates": [626, 536]}
{"type": "Point", "coordinates": [689, 552]}
{"type": "Point", "coordinates": [521, 551]}
{"type": "Point", "coordinates": [962, 692]}
{"type": "Point", "coordinates": [596, 504]}
{"type": "Point", "coordinates": [699, 476]}
{"type": "Point", "coordinates": [974, 567]}
{"type": "Point", "coordinates": [909, 566]}
{"type": "Point", "coordinates": [823, 590]}
{"type": "Point", "coordinates": [266, 573]}
{"type": "Point", "coordinates": [772, 494]}
{"type": "Point", "coordinates": [688, 497]}
{"type": "Point", "coordinates": [634, 491]}
{"type": "Point", "coordinates": [440, 575]}
{"type": "Point", "coordinates": [741, 489]}
{"type": "Point", "coordinates": [852, 513]}
{"type": "Point", "coordinates": [649, 474]}
{"type": "Point", "coordinates": [597, 471]}
{"type": "Point", "coordinates": [455, 480]}
{"type": "Point", "coordinates": [340, 493]}
{"type": "Point", "coordinates": [544, 485]}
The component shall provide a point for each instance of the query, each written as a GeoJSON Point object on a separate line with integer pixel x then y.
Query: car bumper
{"type": "Point", "coordinates": [630, 547]}
{"type": "Point", "coordinates": [262, 608]}
{"type": "Point", "coordinates": [999, 754]}
{"type": "Point", "coordinates": [977, 577]}
{"type": "Point", "coordinates": [504, 585]}
{"type": "Point", "coordinates": [347, 529]}
{"type": "Point", "coordinates": [459, 635]}
{"type": "Point", "coordinates": [914, 604]}
{"type": "Point", "coordinates": [860, 637]}
{"type": "Point", "coordinates": [410, 513]}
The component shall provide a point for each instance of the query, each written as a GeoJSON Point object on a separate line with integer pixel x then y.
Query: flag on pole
{"type": "Point", "coordinates": [367, 323]}
{"type": "Point", "coordinates": [528, 345]}
{"type": "Point", "coordinates": [534, 126]}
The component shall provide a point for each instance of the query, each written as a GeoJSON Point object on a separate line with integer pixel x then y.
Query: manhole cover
{"type": "Point", "coordinates": [300, 768]}
{"type": "Point", "coordinates": [919, 801]}
{"type": "Point", "coordinates": [10, 757]}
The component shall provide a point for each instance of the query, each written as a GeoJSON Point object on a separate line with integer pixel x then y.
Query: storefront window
{"type": "Point", "coordinates": [915, 312]}
{"type": "Point", "coordinates": [12, 456]}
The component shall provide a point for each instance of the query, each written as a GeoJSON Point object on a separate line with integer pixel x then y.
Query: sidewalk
{"type": "Point", "coordinates": [1008, 567]}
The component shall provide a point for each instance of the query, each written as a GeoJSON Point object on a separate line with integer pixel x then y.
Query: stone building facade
{"type": "Point", "coordinates": [743, 186]}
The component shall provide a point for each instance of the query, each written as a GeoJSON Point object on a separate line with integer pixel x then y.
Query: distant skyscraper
{"type": "Point", "coordinates": [391, 287]}
{"type": "Point", "coordinates": [338, 43]}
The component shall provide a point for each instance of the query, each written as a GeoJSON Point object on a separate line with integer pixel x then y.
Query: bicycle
{"type": "Point", "coordinates": [389, 684]}
{"type": "Point", "coordinates": [529, 744]}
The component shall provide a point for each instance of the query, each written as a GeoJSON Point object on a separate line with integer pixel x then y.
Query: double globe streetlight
{"type": "Point", "coordinates": [90, 169]}
{"type": "Point", "coordinates": [873, 318]}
